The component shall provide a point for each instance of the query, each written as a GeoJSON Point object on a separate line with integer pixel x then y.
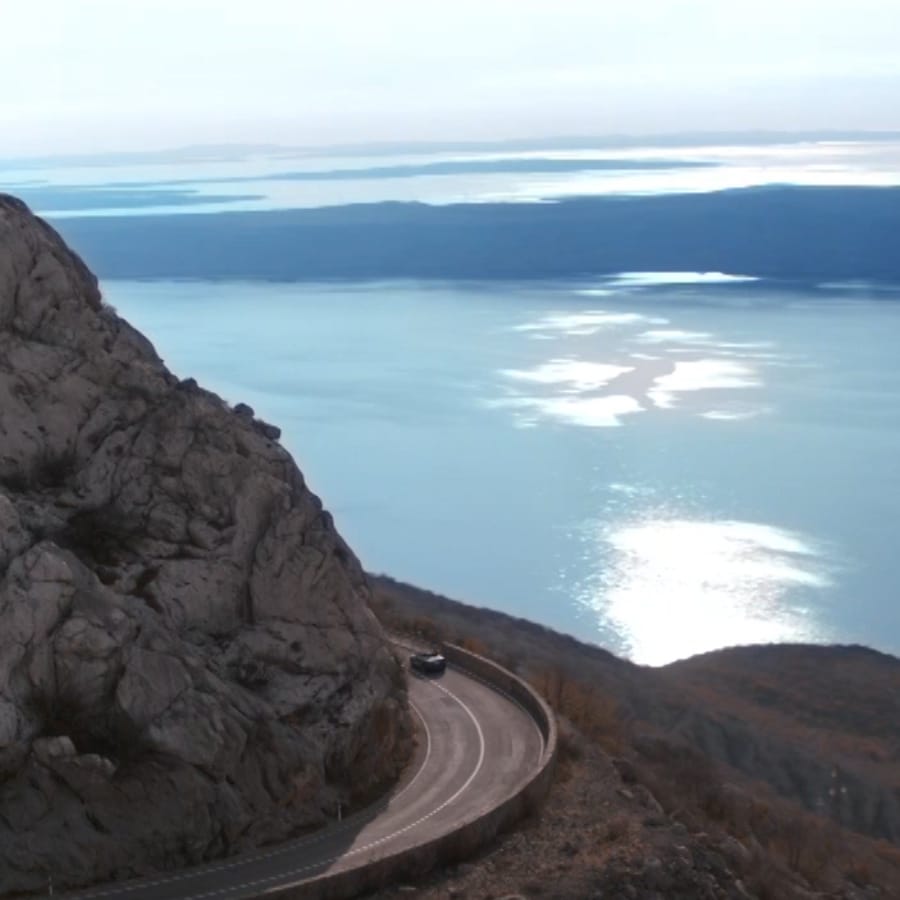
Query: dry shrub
{"type": "Point", "coordinates": [570, 741]}
{"type": "Point", "coordinates": [689, 786]}
{"type": "Point", "coordinates": [474, 645]}
{"type": "Point", "coordinates": [595, 714]}
{"type": "Point", "coordinates": [685, 782]}
{"type": "Point", "coordinates": [806, 845]}
{"type": "Point", "coordinates": [888, 853]}
{"type": "Point", "coordinates": [764, 878]}
{"type": "Point", "coordinates": [618, 829]}
{"type": "Point", "coordinates": [424, 628]}
{"type": "Point", "coordinates": [859, 871]}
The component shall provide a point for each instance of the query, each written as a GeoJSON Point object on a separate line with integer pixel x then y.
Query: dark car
{"type": "Point", "coordinates": [431, 663]}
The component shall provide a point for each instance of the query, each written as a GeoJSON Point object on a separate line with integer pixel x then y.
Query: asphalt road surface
{"type": "Point", "coordinates": [476, 747]}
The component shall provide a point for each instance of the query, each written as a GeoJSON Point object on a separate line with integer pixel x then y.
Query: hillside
{"type": "Point", "coordinates": [774, 766]}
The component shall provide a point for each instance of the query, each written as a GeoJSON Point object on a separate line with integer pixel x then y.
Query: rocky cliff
{"type": "Point", "coordinates": [188, 665]}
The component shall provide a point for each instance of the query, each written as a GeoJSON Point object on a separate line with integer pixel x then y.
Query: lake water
{"type": "Point", "coordinates": [662, 465]}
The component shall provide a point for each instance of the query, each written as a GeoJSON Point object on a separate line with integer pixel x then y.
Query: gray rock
{"type": "Point", "coordinates": [182, 630]}
{"type": "Point", "coordinates": [272, 432]}
{"type": "Point", "coordinates": [49, 750]}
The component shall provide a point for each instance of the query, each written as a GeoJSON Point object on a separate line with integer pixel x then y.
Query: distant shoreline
{"type": "Point", "coordinates": [205, 152]}
{"type": "Point", "coordinates": [802, 234]}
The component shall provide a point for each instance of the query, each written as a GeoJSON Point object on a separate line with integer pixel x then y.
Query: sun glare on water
{"type": "Point", "coordinates": [675, 587]}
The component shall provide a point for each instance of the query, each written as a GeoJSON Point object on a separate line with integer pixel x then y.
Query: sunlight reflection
{"type": "Point", "coordinates": [668, 335]}
{"type": "Point", "coordinates": [677, 587]}
{"type": "Point", "coordinates": [586, 323]}
{"type": "Point", "coordinates": [601, 375]}
{"type": "Point", "coordinates": [702, 339]}
{"type": "Point", "coordinates": [699, 375]}
{"type": "Point", "coordinates": [581, 376]}
{"type": "Point", "coordinates": [654, 279]}
{"type": "Point", "coordinates": [733, 415]}
{"type": "Point", "coordinates": [591, 412]}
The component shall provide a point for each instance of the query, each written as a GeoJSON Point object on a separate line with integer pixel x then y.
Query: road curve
{"type": "Point", "coordinates": [477, 747]}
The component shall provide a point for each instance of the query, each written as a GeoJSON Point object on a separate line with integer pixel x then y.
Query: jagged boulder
{"type": "Point", "coordinates": [188, 664]}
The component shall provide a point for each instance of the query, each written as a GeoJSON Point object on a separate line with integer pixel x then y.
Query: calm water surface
{"type": "Point", "coordinates": [659, 467]}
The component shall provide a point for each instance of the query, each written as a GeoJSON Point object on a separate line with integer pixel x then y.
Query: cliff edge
{"type": "Point", "coordinates": [188, 664]}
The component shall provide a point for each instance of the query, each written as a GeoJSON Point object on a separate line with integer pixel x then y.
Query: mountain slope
{"type": "Point", "coordinates": [188, 665]}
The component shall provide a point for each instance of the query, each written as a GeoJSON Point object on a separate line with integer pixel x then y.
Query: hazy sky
{"type": "Point", "coordinates": [84, 75]}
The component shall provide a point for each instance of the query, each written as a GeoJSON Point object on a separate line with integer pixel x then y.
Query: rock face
{"type": "Point", "coordinates": [188, 665]}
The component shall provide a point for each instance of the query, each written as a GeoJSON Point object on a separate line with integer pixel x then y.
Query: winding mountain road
{"type": "Point", "coordinates": [476, 748]}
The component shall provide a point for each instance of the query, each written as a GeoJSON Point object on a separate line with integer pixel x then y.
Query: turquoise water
{"type": "Point", "coordinates": [659, 467]}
